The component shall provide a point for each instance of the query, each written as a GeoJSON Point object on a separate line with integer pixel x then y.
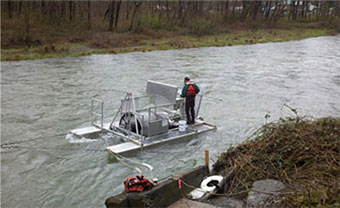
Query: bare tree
{"type": "Point", "coordinates": [27, 23]}
{"type": "Point", "coordinates": [117, 11]}
{"type": "Point", "coordinates": [112, 14]}
{"type": "Point", "coordinates": [71, 10]}
{"type": "Point", "coordinates": [88, 14]}
{"type": "Point", "coordinates": [10, 9]}
{"type": "Point", "coordinates": [167, 10]}
{"type": "Point", "coordinates": [137, 6]}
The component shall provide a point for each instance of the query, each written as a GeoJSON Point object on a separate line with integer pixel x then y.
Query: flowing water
{"type": "Point", "coordinates": [44, 98]}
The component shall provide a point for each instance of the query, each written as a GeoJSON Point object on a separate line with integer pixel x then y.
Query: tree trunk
{"type": "Point", "coordinates": [41, 10]}
{"type": "Point", "coordinates": [233, 11]}
{"type": "Point", "coordinates": [117, 12]}
{"type": "Point", "coordinates": [71, 10]}
{"type": "Point", "coordinates": [137, 5]}
{"type": "Point", "coordinates": [186, 7]}
{"type": "Point", "coordinates": [267, 9]}
{"type": "Point", "coordinates": [273, 14]}
{"type": "Point", "coordinates": [245, 10]}
{"type": "Point", "coordinates": [88, 14]}
{"type": "Point", "coordinates": [292, 11]}
{"type": "Point", "coordinates": [127, 10]}
{"type": "Point", "coordinates": [167, 11]}
{"type": "Point", "coordinates": [27, 25]}
{"type": "Point", "coordinates": [179, 11]}
{"type": "Point", "coordinates": [256, 6]}
{"type": "Point", "coordinates": [303, 9]}
{"type": "Point", "coordinates": [20, 7]}
{"type": "Point", "coordinates": [295, 9]}
{"type": "Point", "coordinates": [112, 15]}
{"type": "Point", "coordinates": [226, 11]}
{"type": "Point", "coordinates": [62, 10]}
{"type": "Point", "coordinates": [9, 8]}
{"type": "Point", "coordinates": [279, 12]}
{"type": "Point", "coordinates": [107, 11]}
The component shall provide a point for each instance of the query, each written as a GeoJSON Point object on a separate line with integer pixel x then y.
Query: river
{"type": "Point", "coordinates": [45, 98]}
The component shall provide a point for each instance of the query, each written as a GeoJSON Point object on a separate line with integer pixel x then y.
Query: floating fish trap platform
{"type": "Point", "coordinates": [147, 120]}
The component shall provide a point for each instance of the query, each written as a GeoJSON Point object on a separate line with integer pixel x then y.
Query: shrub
{"type": "Point", "coordinates": [152, 23]}
{"type": "Point", "coordinates": [335, 24]}
{"type": "Point", "coordinates": [200, 26]}
{"type": "Point", "coordinates": [302, 153]}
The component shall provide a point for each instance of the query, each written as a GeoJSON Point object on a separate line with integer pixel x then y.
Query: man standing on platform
{"type": "Point", "coordinates": [189, 92]}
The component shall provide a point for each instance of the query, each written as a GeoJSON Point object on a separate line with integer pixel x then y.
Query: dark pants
{"type": "Point", "coordinates": [190, 109]}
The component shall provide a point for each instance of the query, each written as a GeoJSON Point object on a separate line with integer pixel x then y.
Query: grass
{"type": "Point", "coordinates": [304, 154]}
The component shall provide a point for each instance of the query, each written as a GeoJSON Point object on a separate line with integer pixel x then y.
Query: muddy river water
{"type": "Point", "coordinates": [44, 99]}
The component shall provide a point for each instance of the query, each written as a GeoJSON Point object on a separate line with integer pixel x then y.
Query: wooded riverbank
{"type": "Point", "coordinates": [48, 29]}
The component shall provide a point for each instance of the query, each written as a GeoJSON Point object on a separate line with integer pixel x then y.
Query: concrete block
{"type": "Point", "coordinates": [263, 193]}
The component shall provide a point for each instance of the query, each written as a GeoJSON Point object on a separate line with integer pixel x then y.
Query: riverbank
{"type": "Point", "coordinates": [301, 153]}
{"type": "Point", "coordinates": [290, 163]}
{"type": "Point", "coordinates": [115, 43]}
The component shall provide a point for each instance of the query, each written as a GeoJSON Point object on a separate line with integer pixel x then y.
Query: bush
{"type": "Point", "coordinates": [304, 154]}
{"type": "Point", "coordinates": [335, 24]}
{"type": "Point", "coordinates": [152, 23]}
{"type": "Point", "coordinates": [200, 26]}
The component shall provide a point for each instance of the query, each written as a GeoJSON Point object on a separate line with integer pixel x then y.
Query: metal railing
{"type": "Point", "coordinates": [95, 114]}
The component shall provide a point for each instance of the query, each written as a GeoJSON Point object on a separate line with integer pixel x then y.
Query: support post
{"type": "Point", "coordinates": [207, 157]}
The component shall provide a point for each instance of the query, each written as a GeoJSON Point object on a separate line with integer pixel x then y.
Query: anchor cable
{"type": "Point", "coordinates": [52, 148]}
{"type": "Point", "coordinates": [109, 90]}
{"type": "Point", "coordinates": [29, 140]}
{"type": "Point", "coordinates": [14, 145]}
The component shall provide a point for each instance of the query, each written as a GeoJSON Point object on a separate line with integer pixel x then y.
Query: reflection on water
{"type": "Point", "coordinates": [43, 98]}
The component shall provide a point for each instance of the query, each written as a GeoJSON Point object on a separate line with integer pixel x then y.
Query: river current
{"type": "Point", "coordinates": [44, 99]}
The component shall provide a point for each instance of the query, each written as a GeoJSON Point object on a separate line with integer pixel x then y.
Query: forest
{"type": "Point", "coordinates": [116, 23]}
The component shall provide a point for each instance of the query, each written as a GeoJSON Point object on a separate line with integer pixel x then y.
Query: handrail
{"type": "Point", "coordinates": [101, 114]}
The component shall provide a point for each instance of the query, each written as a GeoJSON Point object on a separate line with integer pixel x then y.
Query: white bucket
{"type": "Point", "coordinates": [182, 125]}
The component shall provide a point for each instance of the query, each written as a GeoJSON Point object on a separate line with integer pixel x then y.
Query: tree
{"type": "Point", "coordinates": [10, 9]}
{"type": "Point", "coordinates": [137, 6]}
{"type": "Point", "coordinates": [117, 12]}
{"type": "Point", "coordinates": [88, 14]}
{"type": "Point", "coordinates": [27, 23]}
{"type": "Point", "coordinates": [112, 14]}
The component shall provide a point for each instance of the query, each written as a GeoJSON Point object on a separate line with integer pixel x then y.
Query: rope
{"type": "Point", "coordinates": [14, 145]}
{"type": "Point", "coordinates": [217, 99]}
{"type": "Point", "coordinates": [109, 90]}
{"type": "Point", "coordinates": [121, 159]}
{"type": "Point", "coordinates": [49, 148]}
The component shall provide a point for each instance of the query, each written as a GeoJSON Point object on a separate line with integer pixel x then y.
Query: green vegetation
{"type": "Point", "coordinates": [302, 153]}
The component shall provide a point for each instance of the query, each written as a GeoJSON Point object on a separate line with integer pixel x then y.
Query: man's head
{"type": "Point", "coordinates": [186, 79]}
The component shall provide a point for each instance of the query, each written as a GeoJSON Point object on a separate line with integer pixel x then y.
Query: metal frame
{"type": "Point", "coordinates": [131, 110]}
{"type": "Point", "coordinates": [94, 113]}
{"type": "Point", "coordinates": [145, 113]}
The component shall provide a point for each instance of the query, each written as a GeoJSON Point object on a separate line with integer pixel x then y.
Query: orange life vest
{"type": "Point", "coordinates": [191, 90]}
